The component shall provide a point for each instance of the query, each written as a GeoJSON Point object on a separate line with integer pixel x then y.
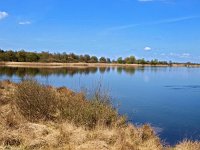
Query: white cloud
{"type": "Point", "coordinates": [3, 14]}
{"type": "Point", "coordinates": [24, 22]}
{"type": "Point", "coordinates": [147, 48]}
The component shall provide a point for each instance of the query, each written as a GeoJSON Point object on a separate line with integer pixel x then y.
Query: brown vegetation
{"type": "Point", "coordinates": [34, 116]}
{"type": "Point", "coordinates": [85, 65]}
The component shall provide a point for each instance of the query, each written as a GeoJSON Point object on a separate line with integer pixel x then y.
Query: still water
{"type": "Point", "coordinates": [168, 98]}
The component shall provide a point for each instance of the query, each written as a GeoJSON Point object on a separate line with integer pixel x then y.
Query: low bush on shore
{"type": "Point", "coordinates": [39, 102]}
{"type": "Point", "coordinates": [34, 101]}
{"type": "Point", "coordinates": [35, 116]}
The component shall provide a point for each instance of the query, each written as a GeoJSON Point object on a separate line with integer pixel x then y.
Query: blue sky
{"type": "Point", "coordinates": [163, 29]}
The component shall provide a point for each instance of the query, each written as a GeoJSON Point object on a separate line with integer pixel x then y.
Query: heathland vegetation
{"type": "Point", "coordinates": [35, 116]}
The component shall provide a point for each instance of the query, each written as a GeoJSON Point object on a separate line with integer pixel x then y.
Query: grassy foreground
{"type": "Point", "coordinates": [34, 116]}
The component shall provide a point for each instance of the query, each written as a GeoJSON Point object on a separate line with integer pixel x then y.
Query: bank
{"type": "Point", "coordinates": [34, 116]}
{"type": "Point", "coordinates": [85, 65]}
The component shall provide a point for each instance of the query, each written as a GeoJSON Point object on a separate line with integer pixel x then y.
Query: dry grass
{"type": "Point", "coordinates": [188, 145]}
{"type": "Point", "coordinates": [27, 121]}
{"type": "Point", "coordinates": [35, 101]}
{"type": "Point", "coordinates": [81, 65]}
{"type": "Point", "coordinates": [75, 65]}
{"type": "Point", "coordinates": [39, 102]}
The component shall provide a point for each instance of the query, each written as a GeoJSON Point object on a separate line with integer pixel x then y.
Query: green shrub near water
{"type": "Point", "coordinates": [39, 102]}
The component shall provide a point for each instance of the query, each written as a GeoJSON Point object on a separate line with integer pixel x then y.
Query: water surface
{"type": "Point", "coordinates": [168, 98]}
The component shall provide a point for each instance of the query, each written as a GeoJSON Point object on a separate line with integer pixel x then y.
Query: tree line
{"type": "Point", "coordinates": [24, 56]}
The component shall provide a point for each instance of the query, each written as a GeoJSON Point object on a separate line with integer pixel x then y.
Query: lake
{"type": "Point", "coordinates": [168, 98]}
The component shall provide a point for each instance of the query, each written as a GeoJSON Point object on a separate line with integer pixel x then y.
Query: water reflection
{"type": "Point", "coordinates": [21, 72]}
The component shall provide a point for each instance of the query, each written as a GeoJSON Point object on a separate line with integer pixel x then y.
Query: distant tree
{"type": "Point", "coordinates": [21, 56]}
{"type": "Point", "coordinates": [102, 60]}
{"type": "Point", "coordinates": [93, 59]}
{"type": "Point", "coordinates": [130, 60]}
{"type": "Point", "coordinates": [64, 57]}
{"type": "Point", "coordinates": [56, 57]}
{"type": "Point", "coordinates": [154, 62]}
{"type": "Point", "coordinates": [32, 57]}
{"type": "Point", "coordinates": [10, 56]}
{"type": "Point", "coordinates": [120, 60]}
{"type": "Point", "coordinates": [163, 62]}
{"type": "Point", "coordinates": [81, 58]}
{"type": "Point", "coordinates": [44, 56]}
{"type": "Point", "coordinates": [73, 58]}
{"type": "Point", "coordinates": [141, 61]}
{"type": "Point", "coordinates": [86, 58]}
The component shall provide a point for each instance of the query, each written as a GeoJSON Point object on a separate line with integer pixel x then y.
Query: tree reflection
{"type": "Point", "coordinates": [22, 72]}
{"type": "Point", "coordinates": [127, 70]}
{"type": "Point", "coordinates": [44, 72]}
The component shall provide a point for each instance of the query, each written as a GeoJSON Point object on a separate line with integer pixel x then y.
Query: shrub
{"type": "Point", "coordinates": [89, 113]}
{"type": "Point", "coordinates": [35, 101]}
{"type": "Point", "coordinates": [99, 113]}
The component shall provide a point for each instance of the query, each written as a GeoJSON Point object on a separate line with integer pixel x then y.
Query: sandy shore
{"type": "Point", "coordinates": [81, 65]}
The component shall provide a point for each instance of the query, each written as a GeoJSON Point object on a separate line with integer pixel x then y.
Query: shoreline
{"type": "Point", "coordinates": [85, 65]}
{"type": "Point", "coordinates": [53, 130]}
